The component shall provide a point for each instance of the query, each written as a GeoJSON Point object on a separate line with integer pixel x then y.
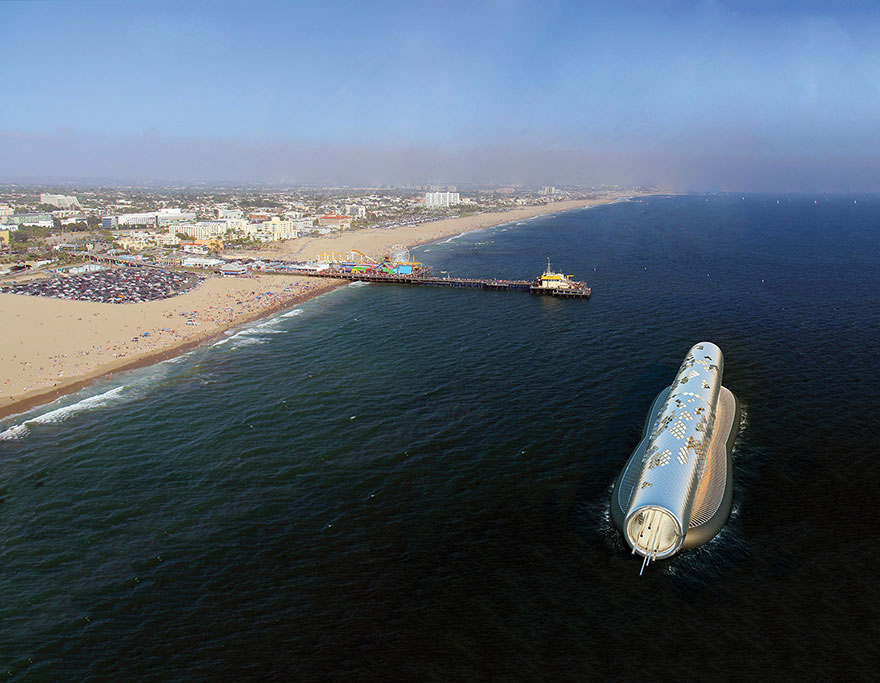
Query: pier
{"type": "Point", "coordinates": [532, 286]}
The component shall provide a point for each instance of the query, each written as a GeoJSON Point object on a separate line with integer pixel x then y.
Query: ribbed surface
{"type": "Point", "coordinates": [710, 490]}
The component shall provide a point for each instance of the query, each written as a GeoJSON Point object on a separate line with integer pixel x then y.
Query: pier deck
{"type": "Point", "coordinates": [472, 283]}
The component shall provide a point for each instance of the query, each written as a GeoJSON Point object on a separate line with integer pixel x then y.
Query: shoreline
{"type": "Point", "coordinates": [42, 396]}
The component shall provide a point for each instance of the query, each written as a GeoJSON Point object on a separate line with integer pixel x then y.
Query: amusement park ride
{"type": "Point", "coordinates": [399, 268]}
{"type": "Point", "coordinates": [397, 262]}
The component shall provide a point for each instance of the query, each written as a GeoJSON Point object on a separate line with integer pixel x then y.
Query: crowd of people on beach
{"type": "Point", "coordinates": [114, 285]}
{"type": "Point", "coordinates": [133, 337]}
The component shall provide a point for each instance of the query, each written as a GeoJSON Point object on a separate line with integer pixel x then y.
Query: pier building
{"type": "Point", "coordinates": [414, 273]}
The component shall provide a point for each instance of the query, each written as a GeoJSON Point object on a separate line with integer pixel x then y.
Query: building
{"type": "Point", "coordinates": [166, 216]}
{"type": "Point", "coordinates": [438, 200]}
{"type": "Point", "coordinates": [277, 229]}
{"type": "Point", "coordinates": [70, 220]}
{"type": "Point", "coordinates": [203, 230]}
{"type": "Point", "coordinates": [43, 220]}
{"type": "Point", "coordinates": [4, 242]}
{"type": "Point", "coordinates": [304, 224]}
{"type": "Point", "coordinates": [62, 201]}
{"type": "Point", "coordinates": [233, 269]}
{"type": "Point", "coordinates": [5, 212]}
{"type": "Point", "coordinates": [356, 210]}
{"type": "Point", "coordinates": [160, 217]}
{"type": "Point", "coordinates": [229, 213]}
{"type": "Point", "coordinates": [136, 240]}
{"type": "Point", "coordinates": [201, 262]}
{"type": "Point", "coordinates": [334, 220]}
{"type": "Point", "coordinates": [150, 218]}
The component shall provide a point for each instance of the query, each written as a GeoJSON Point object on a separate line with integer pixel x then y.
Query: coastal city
{"type": "Point", "coordinates": [173, 227]}
{"type": "Point", "coordinates": [116, 277]}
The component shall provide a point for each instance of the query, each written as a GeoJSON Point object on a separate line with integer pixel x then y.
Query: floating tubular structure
{"type": "Point", "coordinates": [676, 488]}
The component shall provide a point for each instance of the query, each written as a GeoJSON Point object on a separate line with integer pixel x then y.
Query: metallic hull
{"type": "Point", "coordinates": [675, 490]}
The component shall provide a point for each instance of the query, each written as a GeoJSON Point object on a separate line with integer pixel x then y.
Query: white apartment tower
{"type": "Point", "coordinates": [436, 200]}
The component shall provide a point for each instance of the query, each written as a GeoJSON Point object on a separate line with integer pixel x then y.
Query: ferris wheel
{"type": "Point", "coordinates": [399, 253]}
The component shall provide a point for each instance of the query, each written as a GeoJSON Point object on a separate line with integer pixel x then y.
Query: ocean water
{"type": "Point", "coordinates": [412, 484]}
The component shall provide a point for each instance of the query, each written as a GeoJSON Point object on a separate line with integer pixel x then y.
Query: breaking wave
{"type": "Point", "coordinates": [22, 429]}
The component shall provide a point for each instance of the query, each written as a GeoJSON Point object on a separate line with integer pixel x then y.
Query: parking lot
{"type": "Point", "coordinates": [115, 285]}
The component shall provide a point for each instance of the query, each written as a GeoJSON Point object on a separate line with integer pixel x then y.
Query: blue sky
{"type": "Point", "coordinates": [692, 95]}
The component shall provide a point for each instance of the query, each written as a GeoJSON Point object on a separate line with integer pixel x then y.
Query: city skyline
{"type": "Point", "coordinates": [687, 95]}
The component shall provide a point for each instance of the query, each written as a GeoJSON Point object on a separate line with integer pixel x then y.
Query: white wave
{"type": "Point", "coordinates": [359, 284]}
{"type": "Point", "coordinates": [21, 430]}
{"type": "Point", "coordinates": [61, 414]}
{"type": "Point", "coordinates": [290, 314]}
{"type": "Point", "coordinates": [254, 331]}
{"type": "Point", "coordinates": [15, 432]}
{"type": "Point", "coordinates": [244, 340]}
{"type": "Point", "coordinates": [454, 237]}
{"type": "Point", "coordinates": [266, 323]}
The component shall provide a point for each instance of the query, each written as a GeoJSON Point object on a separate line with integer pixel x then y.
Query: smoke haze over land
{"type": "Point", "coordinates": [682, 95]}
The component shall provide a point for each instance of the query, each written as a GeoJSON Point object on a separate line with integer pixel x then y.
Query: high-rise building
{"type": "Point", "coordinates": [279, 229]}
{"type": "Point", "coordinates": [62, 201]}
{"type": "Point", "coordinates": [436, 200]}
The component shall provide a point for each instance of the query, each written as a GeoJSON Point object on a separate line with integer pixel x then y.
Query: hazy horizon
{"type": "Point", "coordinates": [683, 95]}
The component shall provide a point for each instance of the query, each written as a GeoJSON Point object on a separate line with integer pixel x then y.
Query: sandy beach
{"type": "Point", "coordinates": [53, 346]}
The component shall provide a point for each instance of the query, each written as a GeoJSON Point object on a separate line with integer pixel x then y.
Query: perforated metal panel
{"type": "Point", "coordinates": [678, 444]}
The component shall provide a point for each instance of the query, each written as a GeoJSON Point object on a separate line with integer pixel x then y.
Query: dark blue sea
{"type": "Point", "coordinates": [412, 484]}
